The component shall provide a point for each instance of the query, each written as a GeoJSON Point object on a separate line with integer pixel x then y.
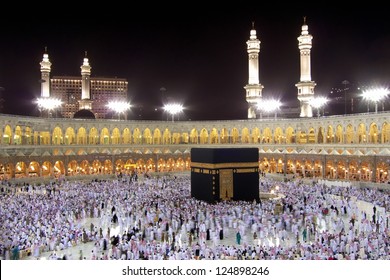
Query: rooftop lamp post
{"type": "Point", "coordinates": [48, 104]}
{"type": "Point", "coordinates": [268, 106]}
{"type": "Point", "coordinates": [318, 103]}
{"type": "Point", "coordinates": [119, 107]}
{"type": "Point", "coordinates": [173, 109]}
{"type": "Point", "coordinates": [375, 95]}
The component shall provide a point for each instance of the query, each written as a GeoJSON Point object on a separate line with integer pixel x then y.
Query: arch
{"type": "Point", "coordinates": [107, 167]}
{"type": "Point", "coordinates": [194, 136]}
{"type": "Point", "coordinates": [385, 135]}
{"type": "Point", "coordinates": [278, 136]}
{"type": "Point", "coordinates": [141, 166]}
{"type": "Point", "coordinates": [339, 134]}
{"type": "Point", "coordinates": [58, 168]}
{"type": "Point", "coordinates": [18, 135]}
{"type": "Point", "coordinates": [137, 138]}
{"type": "Point", "coordinates": [349, 134]}
{"type": "Point", "coordinates": [302, 137]}
{"type": "Point", "coordinates": [104, 136]}
{"type": "Point", "coordinates": [93, 137]}
{"type": "Point", "coordinates": [366, 171]}
{"type": "Point", "coordinates": [34, 169]}
{"type": "Point", "coordinates": [130, 166]}
{"type": "Point", "coordinates": [96, 167]}
{"type": "Point", "coordinates": [46, 168]}
{"type": "Point", "coordinates": [147, 137]}
{"type": "Point", "coordinates": [70, 136]}
{"type": "Point", "coordinates": [73, 168]}
{"type": "Point", "coordinates": [362, 135]}
{"type": "Point", "coordinates": [157, 136]}
{"type": "Point", "coordinates": [126, 136]}
{"type": "Point", "coordinates": [180, 164]}
{"type": "Point", "coordinates": [353, 169]}
{"type": "Point", "coordinates": [256, 136]}
{"type": "Point", "coordinates": [7, 135]}
{"type": "Point", "coordinates": [7, 171]}
{"type": "Point", "coordinates": [167, 136]}
{"type": "Point", "coordinates": [312, 136]}
{"type": "Point", "coordinates": [161, 164]}
{"type": "Point", "coordinates": [57, 137]}
{"type": "Point", "coordinates": [245, 138]}
{"type": "Point", "coordinates": [170, 164]}
{"type": "Point", "coordinates": [330, 135]}
{"type": "Point", "coordinates": [267, 135]}
{"type": "Point", "coordinates": [176, 138]}
{"type": "Point", "coordinates": [44, 138]}
{"type": "Point", "coordinates": [204, 136]}
{"type": "Point", "coordinates": [185, 138]}
{"type": "Point", "coordinates": [20, 169]}
{"type": "Point", "coordinates": [235, 136]}
{"type": "Point", "coordinates": [224, 136]}
{"type": "Point", "coordinates": [28, 135]}
{"type": "Point", "coordinates": [382, 172]}
{"type": "Point", "coordinates": [290, 135]}
{"type": "Point", "coordinates": [116, 136]}
{"type": "Point", "coordinates": [150, 165]}
{"type": "Point", "coordinates": [214, 139]}
{"type": "Point", "coordinates": [81, 136]}
{"type": "Point", "coordinates": [84, 167]}
{"type": "Point", "coordinates": [373, 134]}
{"type": "Point", "coordinates": [120, 166]}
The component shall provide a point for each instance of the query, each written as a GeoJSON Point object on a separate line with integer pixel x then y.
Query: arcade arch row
{"type": "Point", "coordinates": [332, 168]}
{"type": "Point", "coordinates": [349, 134]}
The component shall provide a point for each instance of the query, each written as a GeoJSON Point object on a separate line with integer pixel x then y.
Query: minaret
{"type": "Point", "coordinates": [253, 88]}
{"type": "Point", "coordinates": [305, 85]}
{"type": "Point", "coordinates": [85, 102]}
{"type": "Point", "coordinates": [45, 75]}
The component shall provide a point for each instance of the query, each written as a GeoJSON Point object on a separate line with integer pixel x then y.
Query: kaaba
{"type": "Point", "coordinates": [219, 174]}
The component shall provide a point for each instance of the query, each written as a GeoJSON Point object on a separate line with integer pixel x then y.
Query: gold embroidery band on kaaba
{"type": "Point", "coordinates": [224, 165]}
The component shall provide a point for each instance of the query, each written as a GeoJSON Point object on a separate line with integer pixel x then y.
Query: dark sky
{"type": "Point", "coordinates": [201, 59]}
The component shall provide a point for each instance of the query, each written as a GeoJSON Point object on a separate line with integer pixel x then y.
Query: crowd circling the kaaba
{"type": "Point", "coordinates": [156, 218]}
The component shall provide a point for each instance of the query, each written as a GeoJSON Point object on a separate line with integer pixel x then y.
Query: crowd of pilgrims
{"type": "Point", "coordinates": [158, 219]}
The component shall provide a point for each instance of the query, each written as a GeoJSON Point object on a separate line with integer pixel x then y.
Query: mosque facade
{"type": "Point", "coordinates": [352, 147]}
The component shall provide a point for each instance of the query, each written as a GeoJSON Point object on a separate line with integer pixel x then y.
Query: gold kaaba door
{"type": "Point", "coordinates": [226, 184]}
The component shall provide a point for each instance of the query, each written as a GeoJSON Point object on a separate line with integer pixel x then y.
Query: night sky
{"type": "Point", "coordinates": [201, 60]}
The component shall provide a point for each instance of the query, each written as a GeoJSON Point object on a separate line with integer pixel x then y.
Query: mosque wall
{"type": "Point", "coordinates": [354, 147]}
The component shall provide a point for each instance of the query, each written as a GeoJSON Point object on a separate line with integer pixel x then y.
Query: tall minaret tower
{"type": "Point", "coordinates": [305, 85]}
{"type": "Point", "coordinates": [253, 88]}
{"type": "Point", "coordinates": [45, 75]}
{"type": "Point", "coordinates": [85, 102]}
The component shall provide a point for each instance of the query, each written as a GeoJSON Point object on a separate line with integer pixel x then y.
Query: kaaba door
{"type": "Point", "coordinates": [226, 184]}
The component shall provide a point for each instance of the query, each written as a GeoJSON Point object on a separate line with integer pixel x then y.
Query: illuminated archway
{"type": "Point", "coordinates": [214, 136]}
{"type": "Point", "coordinates": [70, 136]}
{"type": "Point", "coordinates": [34, 169]}
{"type": "Point", "coordinates": [58, 168]}
{"type": "Point", "coordinates": [73, 168]}
{"type": "Point", "coordinates": [194, 136]}
{"type": "Point", "coordinates": [245, 138]}
{"type": "Point", "coordinates": [46, 168]}
{"type": "Point", "coordinates": [157, 137]}
{"type": "Point", "coordinates": [81, 137]}
{"type": "Point", "coordinates": [147, 137]}
{"type": "Point", "coordinates": [57, 137]}
{"type": "Point", "coordinates": [204, 136]}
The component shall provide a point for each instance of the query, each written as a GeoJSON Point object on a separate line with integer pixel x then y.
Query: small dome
{"type": "Point", "coordinates": [84, 114]}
